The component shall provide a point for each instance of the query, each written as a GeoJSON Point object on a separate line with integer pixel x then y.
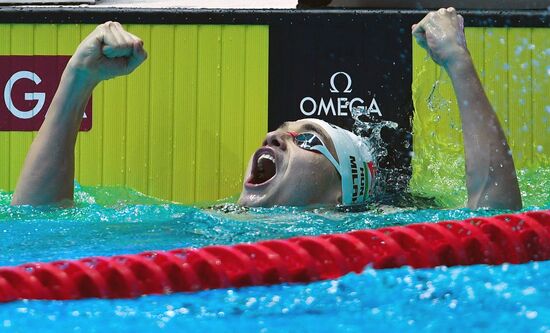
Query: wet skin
{"type": "Point", "coordinates": [281, 173]}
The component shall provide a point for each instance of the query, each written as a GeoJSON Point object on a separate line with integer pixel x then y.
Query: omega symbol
{"type": "Point", "coordinates": [333, 88]}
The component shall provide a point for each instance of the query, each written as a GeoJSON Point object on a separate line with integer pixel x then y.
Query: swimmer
{"type": "Point", "coordinates": [302, 163]}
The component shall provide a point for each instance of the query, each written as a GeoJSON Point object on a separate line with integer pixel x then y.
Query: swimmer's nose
{"type": "Point", "coordinates": [276, 139]}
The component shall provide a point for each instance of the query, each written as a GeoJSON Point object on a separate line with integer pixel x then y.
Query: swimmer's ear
{"type": "Point", "coordinates": [339, 198]}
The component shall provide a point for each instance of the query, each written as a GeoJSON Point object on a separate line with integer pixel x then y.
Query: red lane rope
{"type": "Point", "coordinates": [512, 238]}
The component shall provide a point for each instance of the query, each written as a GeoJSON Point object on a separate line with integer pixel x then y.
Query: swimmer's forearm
{"type": "Point", "coordinates": [48, 173]}
{"type": "Point", "coordinates": [490, 171]}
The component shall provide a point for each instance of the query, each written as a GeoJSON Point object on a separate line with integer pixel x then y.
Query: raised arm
{"type": "Point", "coordinates": [48, 173]}
{"type": "Point", "coordinates": [490, 174]}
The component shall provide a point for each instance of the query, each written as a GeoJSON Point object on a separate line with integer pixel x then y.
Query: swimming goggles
{"type": "Point", "coordinates": [307, 140]}
{"type": "Point", "coordinates": [312, 142]}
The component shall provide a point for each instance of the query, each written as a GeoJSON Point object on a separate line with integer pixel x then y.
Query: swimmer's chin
{"type": "Point", "coordinates": [254, 200]}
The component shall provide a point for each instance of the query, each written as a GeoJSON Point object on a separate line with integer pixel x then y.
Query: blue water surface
{"type": "Point", "coordinates": [109, 221]}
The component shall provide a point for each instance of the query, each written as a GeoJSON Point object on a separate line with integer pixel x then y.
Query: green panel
{"type": "Point", "coordinates": [137, 118]}
{"type": "Point", "coordinates": [161, 59]}
{"type": "Point", "coordinates": [232, 104]}
{"type": "Point", "coordinates": [208, 113]}
{"type": "Point", "coordinates": [256, 89]}
{"type": "Point", "coordinates": [185, 113]}
{"type": "Point", "coordinates": [19, 141]}
{"type": "Point", "coordinates": [91, 142]}
{"type": "Point", "coordinates": [5, 167]}
{"type": "Point", "coordinates": [519, 96]}
{"type": "Point", "coordinates": [495, 69]}
{"type": "Point", "coordinates": [541, 95]}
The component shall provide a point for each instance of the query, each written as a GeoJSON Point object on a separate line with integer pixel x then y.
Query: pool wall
{"type": "Point", "coordinates": [184, 124]}
{"type": "Point", "coordinates": [182, 127]}
{"type": "Point", "coordinates": [514, 67]}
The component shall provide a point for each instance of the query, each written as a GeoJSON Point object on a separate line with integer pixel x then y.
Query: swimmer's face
{"type": "Point", "coordinates": [281, 173]}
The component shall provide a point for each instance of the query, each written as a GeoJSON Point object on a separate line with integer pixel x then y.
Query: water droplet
{"type": "Point", "coordinates": [525, 128]}
{"type": "Point", "coordinates": [518, 50]}
{"type": "Point", "coordinates": [528, 291]}
{"type": "Point", "coordinates": [531, 314]}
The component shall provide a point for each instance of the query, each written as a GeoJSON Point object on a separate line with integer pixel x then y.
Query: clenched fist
{"type": "Point", "coordinates": [107, 52]}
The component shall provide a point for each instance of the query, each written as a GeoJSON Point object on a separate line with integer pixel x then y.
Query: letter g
{"type": "Point", "coordinates": [40, 97]}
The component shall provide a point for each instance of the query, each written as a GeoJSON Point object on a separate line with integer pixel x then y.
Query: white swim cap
{"type": "Point", "coordinates": [355, 163]}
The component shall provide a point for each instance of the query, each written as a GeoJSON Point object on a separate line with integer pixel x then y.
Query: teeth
{"type": "Point", "coordinates": [260, 161]}
{"type": "Point", "coordinates": [266, 156]}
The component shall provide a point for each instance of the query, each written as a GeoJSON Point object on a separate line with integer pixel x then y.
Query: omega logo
{"type": "Point", "coordinates": [340, 106]}
{"type": "Point", "coordinates": [39, 97]}
{"type": "Point", "coordinates": [333, 87]}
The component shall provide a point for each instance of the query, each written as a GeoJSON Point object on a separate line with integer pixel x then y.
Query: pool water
{"type": "Point", "coordinates": [109, 221]}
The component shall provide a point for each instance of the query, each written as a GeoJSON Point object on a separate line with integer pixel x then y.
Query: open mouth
{"type": "Point", "coordinates": [263, 168]}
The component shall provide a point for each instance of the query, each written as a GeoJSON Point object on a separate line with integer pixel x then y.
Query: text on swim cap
{"type": "Point", "coordinates": [358, 179]}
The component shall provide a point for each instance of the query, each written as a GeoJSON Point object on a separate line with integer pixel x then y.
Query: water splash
{"type": "Point", "coordinates": [391, 186]}
{"type": "Point", "coordinates": [371, 131]}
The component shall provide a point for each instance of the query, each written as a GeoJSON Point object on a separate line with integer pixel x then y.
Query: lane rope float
{"type": "Point", "coordinates": [511, 238]}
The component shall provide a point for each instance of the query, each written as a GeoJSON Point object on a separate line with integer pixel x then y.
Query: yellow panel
{"type": "Point", "coordinates": [178, 128]}
{"type": "Point", "coordinates": [19, 141]}
{"type": "Point", "coordinates": [256, 83]}
{"type": "Point", "coordinates": [519, 95]}
{"type": "Point", "coordinates": [161, 61]}
{"type": "Point", "coordinates": [437, 126]}
{"type": "Point", "coordinates": [69, 34]}
{"type": "Point", "coordinates": [5, 167]}
{"type": "Point", "coordinates": [495, 68]}
{"type": "Point", "coordinates": [114, 131]}
{"type": "Point", "coordinates": [424, 146]}
{"type": "Point", "coordinates": [541, 96]}
{"type": "Point", "coordinates": [137, 118]}
{"type": "Point", "coordinates": [185, 113]}
{"type": "Point", "coordinates": [208, 113]}
{"type": "Point", "coordinates": [232, 104]}
{"type": "Point", "coordinates": [91, 143]}
{"type": "Point", "coordinates": [514, 65]}
{"type": "Point", "coordinates": [45, 42]}
{"type": "Point", "coordinates": [448, 118]}
{"type": "Point", "coordinates": [476, 45]}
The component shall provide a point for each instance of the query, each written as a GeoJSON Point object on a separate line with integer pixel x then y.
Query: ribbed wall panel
{"type": "Point", "coordinates": [19, 142]}
{"type": "Point", "coordinates": [5, 151]}
{"type": "Point", "coordinates": [514, 66]}
{"type": "Point", "coordinates": [541, 96]}
{"type": "Point", "coordinates": [180, 127]}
